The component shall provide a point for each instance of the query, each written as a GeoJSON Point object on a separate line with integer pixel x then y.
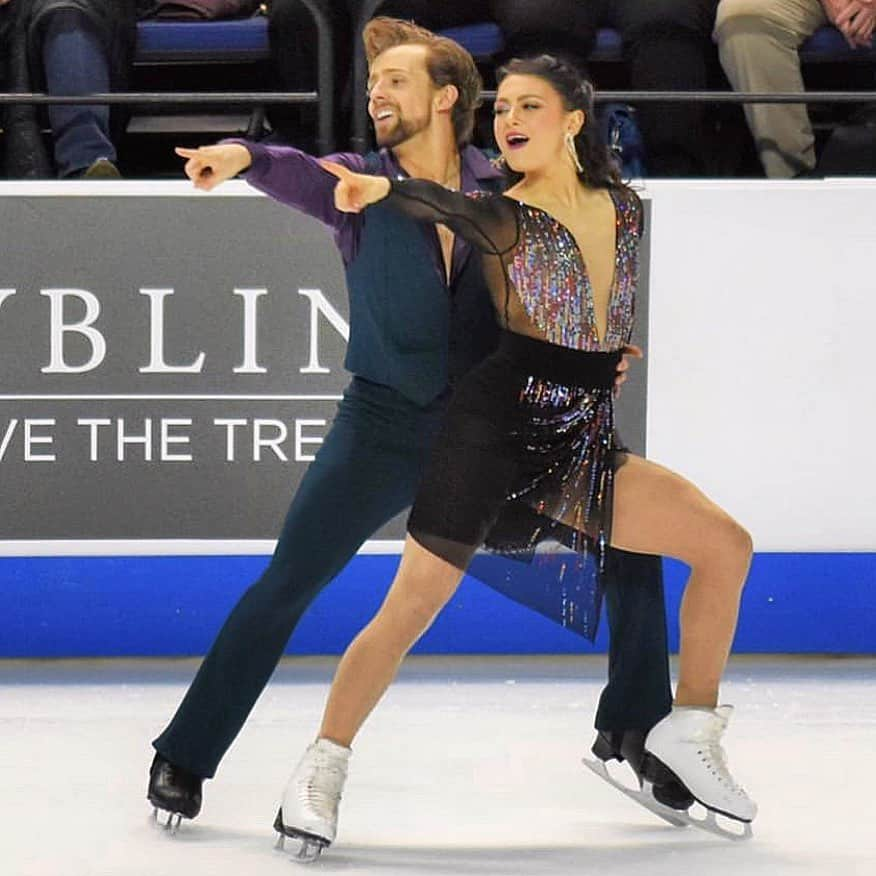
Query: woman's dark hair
{"type": "Point", "coordinates": [599, 166]}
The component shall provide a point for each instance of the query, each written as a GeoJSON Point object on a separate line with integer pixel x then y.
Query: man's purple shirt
{"type": "Point", "coordinates": [295, 178]}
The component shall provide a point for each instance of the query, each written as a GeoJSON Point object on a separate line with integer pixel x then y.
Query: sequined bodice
{"type": "Point", "coordinates": [534, 267]}
{"type": "Point", "coordinates": [549, 274]}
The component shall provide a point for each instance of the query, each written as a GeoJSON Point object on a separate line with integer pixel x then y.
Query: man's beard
{"type": "Point", "coordinates": [401, 131]}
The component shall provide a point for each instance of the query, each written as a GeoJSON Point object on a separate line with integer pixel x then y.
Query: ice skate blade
{"type": "Point", "coordinates": [709, 823]}
{"type": "Point", "coordinates": [643, 797]}
{"type": "Point", "coordinates": [310, 847]}
{"type": "Point", "coordinates": [171, 826]}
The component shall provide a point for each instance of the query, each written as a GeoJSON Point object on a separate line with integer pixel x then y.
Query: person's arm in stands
{"type": "Point", "coordinates": [855, 19]}
{"type": "Point", "coordinates": [857, 22]}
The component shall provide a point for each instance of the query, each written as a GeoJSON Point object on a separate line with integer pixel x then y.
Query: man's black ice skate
{"type": "Point", "coordinates": [173, 790]}
{"type": "Point", "coordinates": [659, 789]}
{"type": "Point", "coordinates": [310, 846]}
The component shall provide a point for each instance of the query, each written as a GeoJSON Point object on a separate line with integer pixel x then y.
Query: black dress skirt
{"type": "Point", "coordinates": [519, 486]}
{"type": "Point", "coordinates": [523, 468]}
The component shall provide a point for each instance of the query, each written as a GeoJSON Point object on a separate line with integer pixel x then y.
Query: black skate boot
{"type": "Point", "coordinates": [174, 790]}
{"type": "Point", "coordinates": [629, 746]}
{"type": "Point", "coordinates": [664, 795]}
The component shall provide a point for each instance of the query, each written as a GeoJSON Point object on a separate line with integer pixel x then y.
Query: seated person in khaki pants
{"type": "Point", "coordinates": [758, 42]}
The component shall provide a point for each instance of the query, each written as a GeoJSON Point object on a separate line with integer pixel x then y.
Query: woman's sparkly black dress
{"type": "Point", "coordinates": [524, 464]}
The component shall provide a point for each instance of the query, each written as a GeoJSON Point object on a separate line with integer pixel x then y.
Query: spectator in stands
{"type": "Point", "coordinates": [64, 47]}
{"type": "Point", "coordinates": [667, 43]}
{"type": "Point", "coordinates": [293, 50]}
{"type": "Point", "coordinates": [758, 42]}
{"type": "Point", "coordinates": [293, 38]}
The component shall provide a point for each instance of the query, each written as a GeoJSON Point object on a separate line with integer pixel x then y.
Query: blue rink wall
{"type": "Point", "coordinates": [173, 606]}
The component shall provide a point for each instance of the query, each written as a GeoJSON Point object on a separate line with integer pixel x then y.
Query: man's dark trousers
{"type": "Point", "coordinates": [365, 473]}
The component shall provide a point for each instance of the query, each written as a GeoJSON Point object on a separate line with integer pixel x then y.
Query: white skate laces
{"type": "Point", "coordinates": [688, 741]}
{"type": "Point", "coordinates": [712, 753]}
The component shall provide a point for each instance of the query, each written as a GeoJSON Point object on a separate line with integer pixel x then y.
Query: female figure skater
{"type": "Point", "coordinates": [528, 450]}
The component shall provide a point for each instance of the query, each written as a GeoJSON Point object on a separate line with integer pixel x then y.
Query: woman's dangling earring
{"type": "Point", "coordinates": [570, 145]}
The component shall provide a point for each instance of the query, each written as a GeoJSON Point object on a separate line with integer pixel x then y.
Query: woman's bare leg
{"type": "Point", "coordinates": [422, 586]}
{"type": "Point", "coordinates": [655, 511]}
{"type": "Point", "coordinates": [659, 512]}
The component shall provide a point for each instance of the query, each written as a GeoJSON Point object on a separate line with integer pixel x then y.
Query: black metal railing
{"type": "Point", "coordinates": [325, 141]}
{"type": "Point", "coordinates": [236, 98]}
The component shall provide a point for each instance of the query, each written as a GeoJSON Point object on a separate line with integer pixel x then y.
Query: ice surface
{"type": "Point", "coordinates": [470, 766]}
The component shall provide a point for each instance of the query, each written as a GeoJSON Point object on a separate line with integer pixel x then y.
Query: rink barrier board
{"type": "Point", "coordinates": [121, 606]}
{"type": "Point", "coordinates": [759, 403]}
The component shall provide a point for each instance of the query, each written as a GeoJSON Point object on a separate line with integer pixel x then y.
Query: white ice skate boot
{"type": "Point", "coordinates": [309, 811]}
{"type": "Point", "coordinates": [688, 742]}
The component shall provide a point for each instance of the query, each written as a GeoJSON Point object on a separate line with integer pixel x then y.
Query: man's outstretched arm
{"type": "Point", "coordinates": [285, 173]}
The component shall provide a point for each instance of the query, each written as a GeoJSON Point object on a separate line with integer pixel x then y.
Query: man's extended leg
{"type": "Point", "coordinates": [366, 472]}
{"type": "Point", "coordinates": [638, 693]}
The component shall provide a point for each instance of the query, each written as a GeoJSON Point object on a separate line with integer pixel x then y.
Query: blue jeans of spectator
{"type": "Point", "coordinates": [76, 62]}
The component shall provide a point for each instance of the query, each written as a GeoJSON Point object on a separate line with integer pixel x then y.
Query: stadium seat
{"type": "Point", "coordinates": [237, 41]}
{"type": "Point", "coordinates": [209, 42]}
{"type": "Point", "coordinates": [826, 44]}
{"type": "Point", "coordinates": [485, 40]}
{"type": "Point", "coordinates": [246, 40]}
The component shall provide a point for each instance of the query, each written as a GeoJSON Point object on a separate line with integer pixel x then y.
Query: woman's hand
{"type": "Point", "coordinates": [209, 166]}
{"type": "Point", "coordinates": [355, 191]}
{"type": "Point", "coordinates": [620, 378]}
